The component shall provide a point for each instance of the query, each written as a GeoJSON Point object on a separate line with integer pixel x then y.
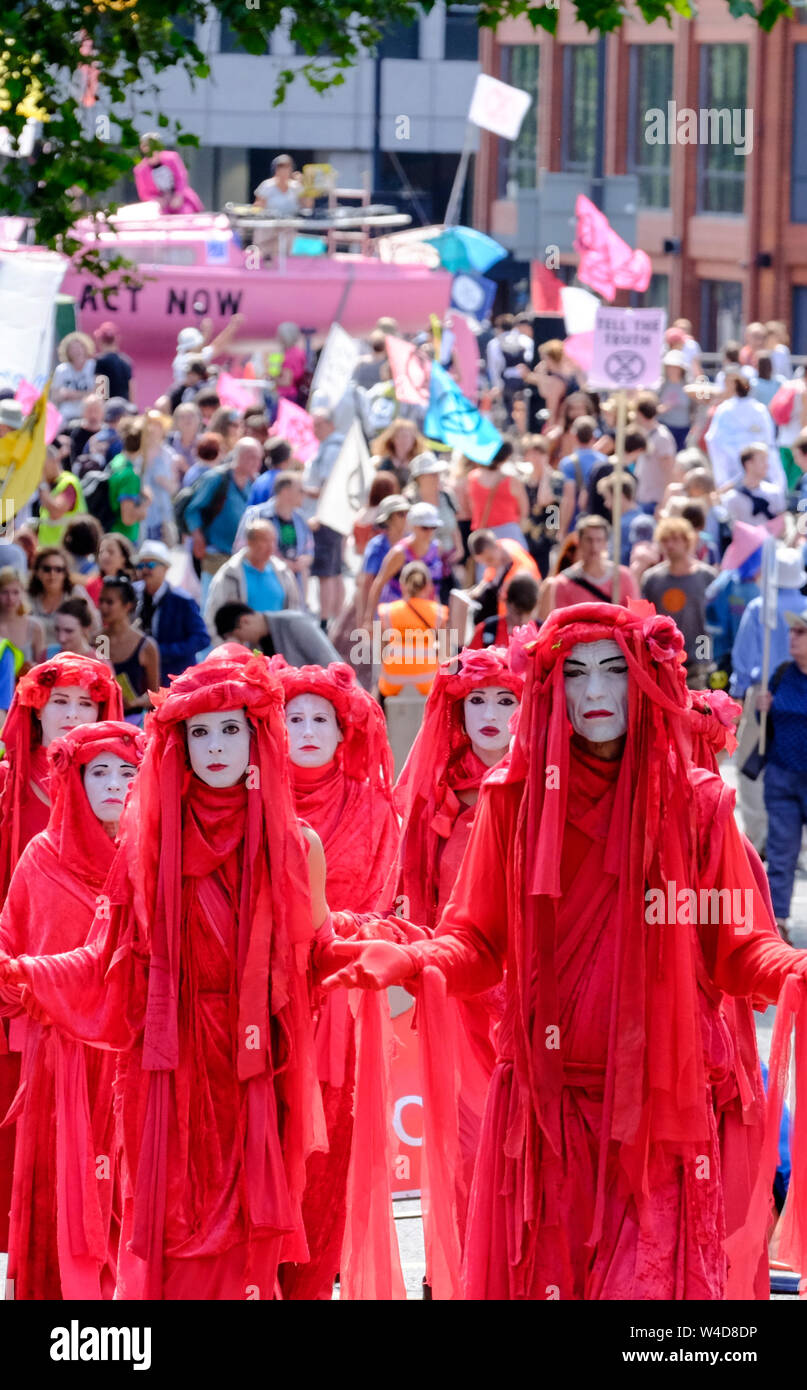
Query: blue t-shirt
{"type": "Point", "coordinates": [587, 458]}
{"type": "Point", "coordinates": [265, 593]}
{"type": "Point", "coordinates": [263, 488]}
{"type": "Point", "coordinates": [220, 533]}
{"type": "Point", "coordinates": [6, 677]}
{"type": "Point", "coordinates": [789, 719]}
{"type": "Point", "coordinates": [374, 553]}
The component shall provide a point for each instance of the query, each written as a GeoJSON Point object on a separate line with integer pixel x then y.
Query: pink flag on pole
{"type": "Point", "coordinates": [580, 347]}
{"type": "Point", "coordinates": [27, 397]}
{"type": "Point", "coordinates": [411, 373]}
{"type": "Point", "coordinates": [466, 350]}
{"type": "Point", "coordinates": [235, 395]}
{"type": "Point", "coordinates": [296, 426]}
{"type": "Point", "coordinates": [607, 263]}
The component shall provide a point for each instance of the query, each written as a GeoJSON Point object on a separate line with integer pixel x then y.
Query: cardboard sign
{"type": "Point", "coordinates": [628, 346]}
{"type": "Point", "coordinates": [498, 107]}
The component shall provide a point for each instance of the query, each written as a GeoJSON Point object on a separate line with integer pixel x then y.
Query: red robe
{"type": "Point", "coordinates": [574, 1224]}
{"type": "Point", "coordinates": [359, 832]}
{"type": "Point", "coordinates": [64, 1168]}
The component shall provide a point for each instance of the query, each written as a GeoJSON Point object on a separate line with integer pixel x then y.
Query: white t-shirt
{"type": "Point", "coordinates": [82, 380]}
{"type": "Point", "coordinates": [279, 202]}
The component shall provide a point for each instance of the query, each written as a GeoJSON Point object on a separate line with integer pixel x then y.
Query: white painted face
{"type": "Point", "coordinates": [314, 733]}
{"type": "Point", "coordinates": [595, 675]}
{"type": "Point", "coordinates": [218, 746]}
{"type": "Point", "coordinates": [66, 708]}
{"type": "Point", "coordinates": [488, 710]}
{"type": "Point", "coordinates": [105, 781]}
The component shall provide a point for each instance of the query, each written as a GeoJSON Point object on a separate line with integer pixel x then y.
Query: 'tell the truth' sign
{"type": "Point", "coordinates": [628, 345]}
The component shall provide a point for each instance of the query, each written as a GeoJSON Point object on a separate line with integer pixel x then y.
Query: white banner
{"type": "Point", "coordinates": [348, 486]}
{"type": "Point", "coordinates": [579, 309]}
{"type": "Point", "coordinates": [335, 368]}
{"type": "Point", "coordinates": [498, 107]}
{"type": "Point", "coordinates": [29, 283]}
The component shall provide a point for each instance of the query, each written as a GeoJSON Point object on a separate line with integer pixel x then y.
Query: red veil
{"type": "Point", "coordinates": [22, 736]}
{"type": "Point", "coordinates": [349, 804]}
{"type": "Point", "coordinates": [23, 813]}
{"type": "Point", "coordinates": [61, 1205]}
{"type": "Point", "coordinates": [441, 763]}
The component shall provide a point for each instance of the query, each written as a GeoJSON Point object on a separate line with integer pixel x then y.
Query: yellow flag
{"type": "Point", "coordinates": [437, 332]}
{"type": "Point", "coordinates": [22, 454]}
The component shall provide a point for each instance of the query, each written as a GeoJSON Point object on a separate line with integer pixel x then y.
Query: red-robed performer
{"type": "Point", "coordinates": [52, 698]}
{"type": "Point", "coordinates": [342, 780]}
{"type": "Point", "coordinates": [62, 1244]}
{"type": "Point", "coordinates": [465, 732]}
{"type": "Point", "coordinates": [591, 873]}
{"type": "Point", "coordinates": [198, 973]}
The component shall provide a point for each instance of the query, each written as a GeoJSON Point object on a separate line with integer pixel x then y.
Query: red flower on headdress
{"type": "Point", "coordinates": [663, 638]}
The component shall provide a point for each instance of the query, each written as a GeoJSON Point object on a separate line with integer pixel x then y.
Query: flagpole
{"type": "Point", "coordinates": [616, 508]}
{"type": "Point", "coordinates": [769, 610]}
{"type": "Point", "coordinates": [458, 186]}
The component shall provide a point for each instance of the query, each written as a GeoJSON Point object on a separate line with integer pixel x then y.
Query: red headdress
{"type": "Point", "coordinates": [654, 1090]}
{"type": "Point", "coordinates": [22, 735]}
{"type": "Point", "coordinates": [79, 839]}
{"type": "Point", "coordinates": [441, 763]}
{"type": "Point", "coordinates": [364, 752]}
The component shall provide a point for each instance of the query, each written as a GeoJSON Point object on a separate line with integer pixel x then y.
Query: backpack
{"type": "Point", "coordinates": [782, 403]}
{"type": "Point", "coordinates": [186, 495]}
{"type": "Point", "coordinates": [95, 486]}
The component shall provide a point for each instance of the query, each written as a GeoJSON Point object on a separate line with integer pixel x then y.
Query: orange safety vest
{"type": "Point", "coordinates": [409, 655]}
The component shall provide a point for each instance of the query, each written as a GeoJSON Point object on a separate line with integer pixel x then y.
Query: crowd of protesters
{"type": "Point", "coordinates": [157, 533]}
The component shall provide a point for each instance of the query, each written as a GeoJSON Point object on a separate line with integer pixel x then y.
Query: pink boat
{"type": "Point", "coordinates": [194, 267]}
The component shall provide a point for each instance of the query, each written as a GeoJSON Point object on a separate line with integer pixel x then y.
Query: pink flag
{"type": "Point", "coordinates": [233, 394]}
{"type": "Point", "coordinates": [545, 290]}
{"type": "Point", "coordinates": [466, 352]}
{"type": "Point", "coordinates": [411, 373]}
{"type": "Point", "coordinates": [295, 425]}
{"type": "Point", "coordinates": [27, 397]}
{"type": "Point", "coordinates": [607, 263]}
{"type": "Point", "coordinates": [580, 347]}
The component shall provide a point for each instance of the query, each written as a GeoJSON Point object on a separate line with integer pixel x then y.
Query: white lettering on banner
{"type": "Point", "coordinates": [397, 1122]}
{"type": "Point", "coordinates": [628, 346]}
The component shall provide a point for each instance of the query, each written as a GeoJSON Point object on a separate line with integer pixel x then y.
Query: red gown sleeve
{"type": "Point", "coordinates": [745, 954]}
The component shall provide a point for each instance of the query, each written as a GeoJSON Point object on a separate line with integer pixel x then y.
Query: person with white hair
{"type": "Point", "coordinates": [74, 378]}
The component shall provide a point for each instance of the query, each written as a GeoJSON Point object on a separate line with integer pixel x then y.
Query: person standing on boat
{"type": "Point", "coordinates": [279, 196]}
{"type": "Point", "coordinates": [162, 177]}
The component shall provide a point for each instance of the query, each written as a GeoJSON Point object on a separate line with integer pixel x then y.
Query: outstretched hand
{"type": "Point", "coordinates": [10, 971]}
{"type": "Point", "coordinates": [368, 965]}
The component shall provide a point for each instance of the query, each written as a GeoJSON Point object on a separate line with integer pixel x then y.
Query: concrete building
{"type": "Point", "coordinates": [724, 219]}
{"type": "Point", "coordinates": [428, 71]}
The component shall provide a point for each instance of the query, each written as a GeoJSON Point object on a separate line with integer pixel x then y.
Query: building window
{"type": "Point", "coordinates": [798, 164]}
{"type": "Point", "coordinates": [462, 33]}
{"type": "Point", "coordinates": [183, 26]}
{"type": "Point", "coordinates": [723, 124]}
{"type": "Point", "coordinates": [518, 158]}
{"type": "Point", "coordinates": [721, 313]}
{"type": "Point", "coordinates": [651, 87]}
{"type": "Point", "coordinates": [580, 107]}
{"type": "Point", "coordinates": [656, 296]}
{"type": "Point", "coordinates": [799, 320]}
{"type": "Point", "coordinates": [399, 41]}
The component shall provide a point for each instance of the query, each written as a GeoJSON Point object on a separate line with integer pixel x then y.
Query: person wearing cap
{"type": "Point", "coordinates": [199, 342]}
{"type": "Point", "coordinates": [74, 377]}
{"type": "Point", "coordinates": [167, 614]}
{"type": "Point", "coordinates": [427, 484]}
{"type": "Point", "coordinates": [746, 670]}
{"type": "Point", "coordinates": [419, 544]}
{"type": "Point", "coordinates": [391, 519]}
{"type": "Point", "coordinates": [112, 363]}
{"type": "Point", "coordinates": [107, 442]}
{"type": "Point", "coordinates": [785, 705]}
{"type": "Point", "coordinates": [60, 499]}
{"type": "Point", "coordinates": [674, 405]}
{"type": "Point", "coordinates": [11, 417]}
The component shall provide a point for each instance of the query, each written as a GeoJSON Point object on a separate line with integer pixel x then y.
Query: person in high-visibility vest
{"type": "Point", "coordinates": [410, 654]}
{"type": "Point", "coordinates": [60, 499]}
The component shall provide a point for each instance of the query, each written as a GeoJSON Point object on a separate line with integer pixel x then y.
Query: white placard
{"type": "Point", "coordinates": [335, 368]}
{"type": "Point", "coordinates": [628, 346]}
{"type": "Point", "coordinates": [29, 283]}
{"type": "Point", "coordinates": [498, 107]}
{"type": "Point", "coordinates": [348, 486]}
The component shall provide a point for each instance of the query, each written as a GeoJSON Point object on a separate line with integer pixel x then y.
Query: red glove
{"type": "Point", "coordinates": [367, 965]}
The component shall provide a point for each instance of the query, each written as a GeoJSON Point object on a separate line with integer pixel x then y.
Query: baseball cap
{"type": "Point", "coordinates": [674, 358]}
{"type": "Point", "coordinates": [426, 463]}
{"type": "Point", "coordinates": [389, 506]}
{"type": "Point", "coordinates": [424, 514]}
{"type": "Point", "coordinates": [11, 414]}
{"type": "Point", "coordinates": [155, 550]}
{"type": "Point", "coordinates": [790, 573]}
{"type": "Point", "coordinates": [798, 620]}
{"type": "Point", "coordinates": [189, 338]}
{"type": "Point", "coordinates": [105, 332]}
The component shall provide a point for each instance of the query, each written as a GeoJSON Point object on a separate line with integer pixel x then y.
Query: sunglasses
{"type": "Point", "coordinates": [52, 569]}
{"type": "Point", "coordinates": [147, 565]}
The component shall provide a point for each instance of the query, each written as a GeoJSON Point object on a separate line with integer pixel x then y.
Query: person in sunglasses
{"type": "Point", "coordinates": [167, 614]}
{"type": "Point", "coordinates": [49, 585]}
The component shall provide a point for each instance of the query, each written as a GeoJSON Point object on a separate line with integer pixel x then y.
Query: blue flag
{"type": "Point", "coordinates": [455, 420]}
